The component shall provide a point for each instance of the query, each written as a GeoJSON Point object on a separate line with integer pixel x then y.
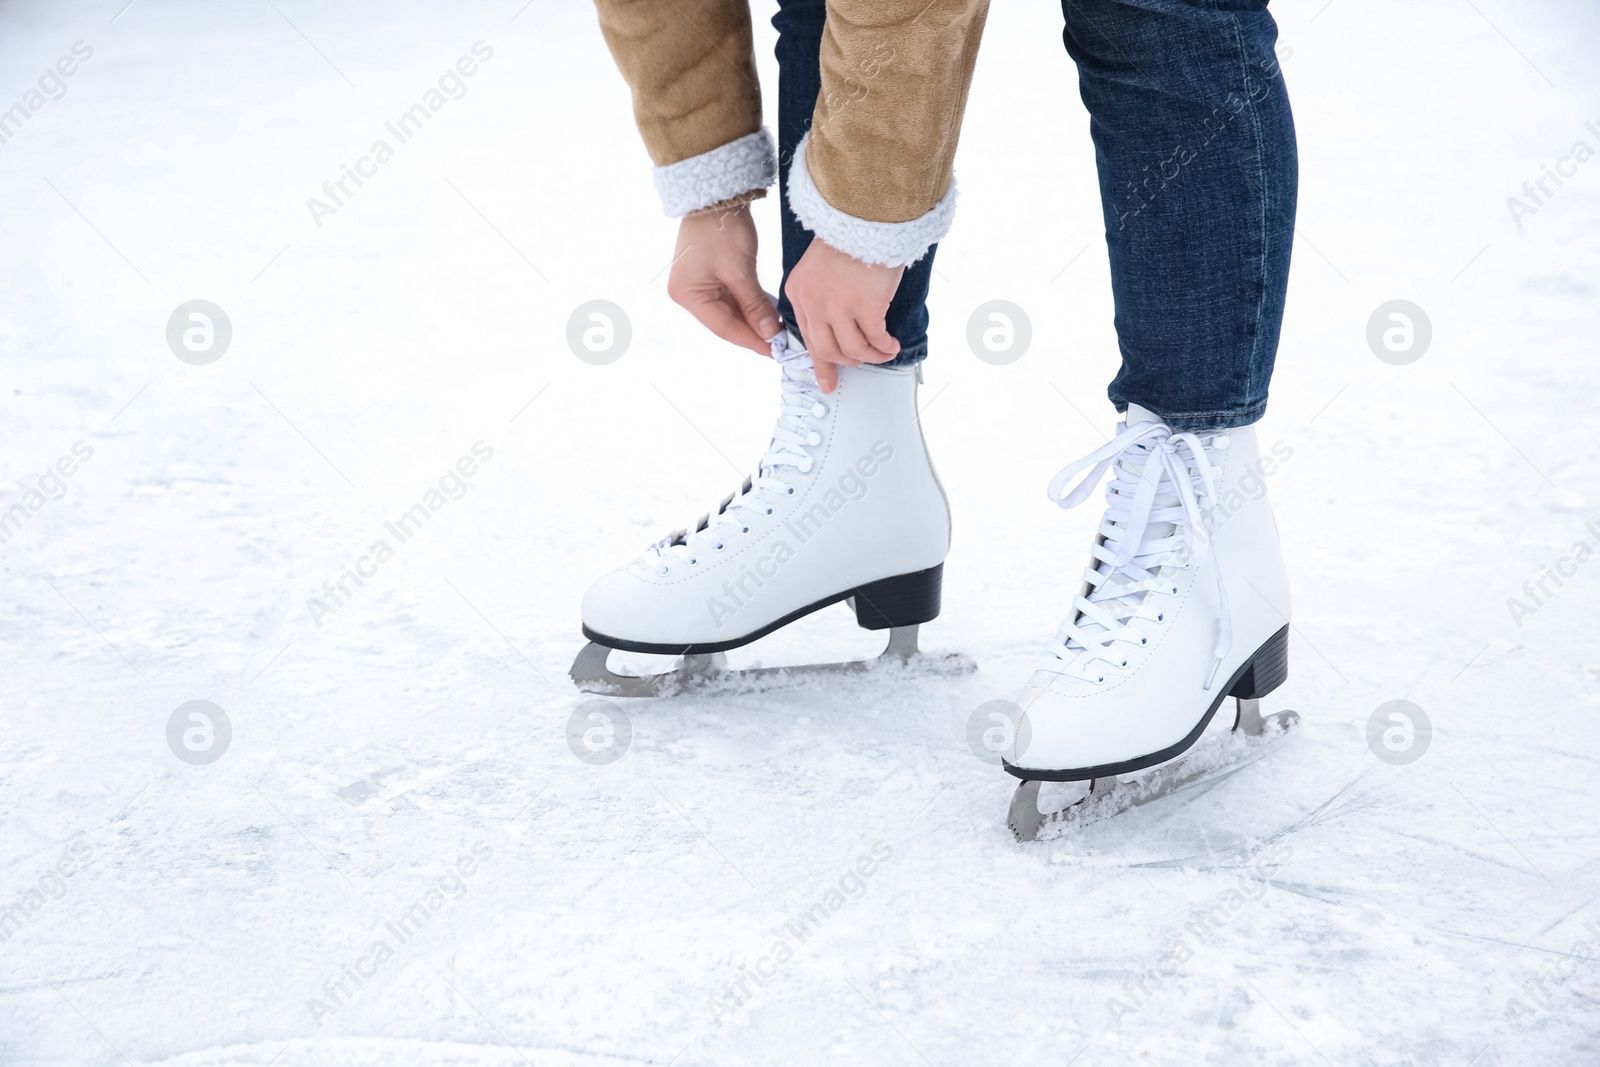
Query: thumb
{"type": "Point", "coordinates": [756, 307]}
{"type": "Point", "coordinates": [877, 335]}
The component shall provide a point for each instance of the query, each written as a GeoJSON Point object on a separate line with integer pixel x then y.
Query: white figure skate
{"type": "Point", "coordinates": [1184, 604]}
{"type": "Point", "coordinates": [845, 505]}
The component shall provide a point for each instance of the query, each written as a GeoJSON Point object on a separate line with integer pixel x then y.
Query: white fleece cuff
{"type": "Point", "coordinates": [892, 244]}
{"type": "Point", "coordinates": [751, 162]}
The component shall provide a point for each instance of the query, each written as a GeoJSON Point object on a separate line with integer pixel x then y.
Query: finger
{"type": "Point", "coordinates": [754, 304]}
{"type": "Point", "coordinates": [728, 323]}
{"type": "Point", "coordinates": [837, 356]}
{"type": "Point", "coordinates": [877, 334]}
{"type": "Point", "coordinates": [827, 374]}
{"type": "Point", "coordinates": [854, 344]}
{"type": "Point", "coordinates": [821, 339]}
{"type": "Point", "coordinates": [824, 356]}
{"type": "Point", "coordinates": [839, 332]}
{"type": "Point", "coordinates": [825, 347]}
{"type": "Point", "coordinates": [803, 322]}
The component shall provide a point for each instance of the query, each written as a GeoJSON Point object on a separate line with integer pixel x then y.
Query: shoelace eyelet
{"type": "Point", "coordinates": [1145, 640]}
{"type": "Point", "coordinates": [769, 509]}
{"type": "Point", "coordinates": [694, 561]}
{"type": "Point", "coordinates": [1100, 680]}
{"type": "Point", "coordinates": [719, 546]}
{"type": "Point", "coordinates": [1124, 664]}
{"type": "Point", "coordinates": [664, 571]}
{"type": "Point", "coordinates": [791, 490]}
{"type": "Point", "coordinates": [744, 529]}
{"type": "Point", "coordinates": [1161, 616]}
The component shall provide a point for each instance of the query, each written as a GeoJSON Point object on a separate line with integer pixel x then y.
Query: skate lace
{"type": "Point", "coordinates": [1160, 507]}
{"type": "Point", "coordinates": [801, 401]}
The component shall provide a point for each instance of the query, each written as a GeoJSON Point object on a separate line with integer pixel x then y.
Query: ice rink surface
{"type": "Point", "coordinates": [398, 858]}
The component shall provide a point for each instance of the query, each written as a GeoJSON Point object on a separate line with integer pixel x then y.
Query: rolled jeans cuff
{"type": "Point", "coordinates": [1203, 421]}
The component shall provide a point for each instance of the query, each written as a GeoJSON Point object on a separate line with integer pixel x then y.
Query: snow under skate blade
{"type": "Point", "coordinates": [711, 673]}
{"type": "Point", "coordinates": [1252, 738]}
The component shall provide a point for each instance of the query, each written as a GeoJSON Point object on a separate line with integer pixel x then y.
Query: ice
{"type": "Point", "coordinates": [702, 899]}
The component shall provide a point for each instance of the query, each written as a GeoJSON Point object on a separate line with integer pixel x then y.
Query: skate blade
{"type": "Point", "coordinates": [1253, 737]}
{"type": "Point", "coordinates": [699, 674]}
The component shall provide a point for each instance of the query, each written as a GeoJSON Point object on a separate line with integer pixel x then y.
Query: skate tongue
{"type": "Point", "coordinates": [792, 356]}
{"type": "Point", "coordinates": [1137, 414]}
{"type": "Point", "coordinates": [1135, 556]}
{"type": "Point", "coordinates": [800, 395]}
{"type": "Point", "coordinates": [801, 399]}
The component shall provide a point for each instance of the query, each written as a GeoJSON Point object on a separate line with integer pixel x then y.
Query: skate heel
{"type": "Point", "coordinates": [904, 600]}
{"type": "Point", "coordinates": [1268, 669]}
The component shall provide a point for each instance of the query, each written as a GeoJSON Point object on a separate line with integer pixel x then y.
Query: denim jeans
{"type": "Point", "coordinates": [799, 24]}
{"type": "Point", "coordinates": [1195, 147]}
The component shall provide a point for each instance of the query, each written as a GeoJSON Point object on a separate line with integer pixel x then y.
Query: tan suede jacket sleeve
{"type": "Point", "coordinates": [874, 177]}
{"type": "Point", "coordinates": [692, 70]}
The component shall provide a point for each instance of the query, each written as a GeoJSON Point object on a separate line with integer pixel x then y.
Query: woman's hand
{"type": "Point", "coordinates": [840, 303]}
{"type": "Point", "coordinates": [714, 276]}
